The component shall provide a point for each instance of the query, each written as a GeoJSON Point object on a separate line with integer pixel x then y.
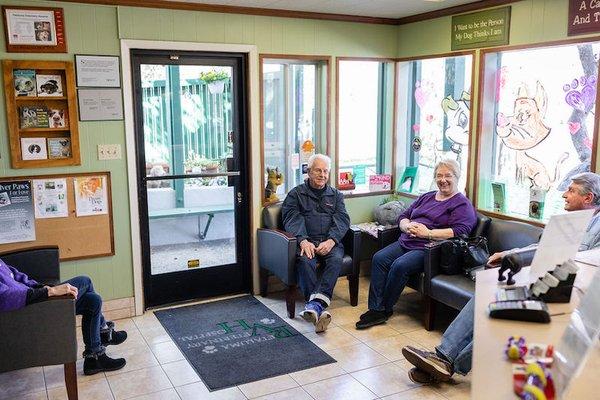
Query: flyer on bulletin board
{"type": "Point", "coordinates": [16, 212]}
{"type": "Point", "coordinates": [90, 196]}
{"type": "Point", "coordinates": [50, 198]}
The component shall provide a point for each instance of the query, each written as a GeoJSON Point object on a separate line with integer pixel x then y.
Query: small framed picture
{"type": "Point", "coordinates": [34, 149]}
{"type": "Point", "coordinates": [59, 147]}
{"type": "Point", "coordinates": [34, 29]}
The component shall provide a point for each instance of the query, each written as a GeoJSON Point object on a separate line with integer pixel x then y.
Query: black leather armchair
{"type": "Point", "coordinates": [277, 256]}
{"type": "Point", "coordinates": [41, 333]}
{"type": "Point", "coordinates": [456, 290]}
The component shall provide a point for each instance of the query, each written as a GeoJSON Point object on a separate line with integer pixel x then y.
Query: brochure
{"type": "Point", "coordinates": [17, 216]}
{"type": "Point", "coordinates": [49, 85]}
{"type": "Point", "coordinates": [24, 80]}
{"type": "Point", "coordinates": [499, 192]}
{"type": "Point", "coordinates": [33, 148]}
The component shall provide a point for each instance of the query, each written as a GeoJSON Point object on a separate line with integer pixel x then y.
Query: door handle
{"type": "Point", "coordinates": [239, 197]}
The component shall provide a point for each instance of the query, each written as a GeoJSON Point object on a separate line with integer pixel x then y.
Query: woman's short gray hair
{"type": "Point", "coordinates": [449, 163]}
{"type": "Point", "coordinates": [321, 157]}
{"type": "Point", "coordinates": [589, 183]}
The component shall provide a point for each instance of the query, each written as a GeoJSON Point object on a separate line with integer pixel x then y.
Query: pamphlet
{"type": "Point", "coordinates": [379, 183]}
{"type": "Point", "coordinates": [24, 80]}
{"type": "Point", "coordinates": [50, 198]}
{"type": "Point", "coordinates": [16, 212]}
{"type": "Point", "coordinates": [536, 202]}
{"type": "Point", "coordinates": [33, 148]}
{"type": "Point", "coordinates": [499, 192]}
{"type": "Point", "coordinates": [90, 196]}
{"type": "Point", "coordinates": [33, 117]}
{"type": "Point", "coordinates": [49, 85]}
{"type": "Point", "coordinates": [59, 147]}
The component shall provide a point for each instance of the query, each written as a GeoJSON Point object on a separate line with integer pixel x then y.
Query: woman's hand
{"type": "Point", "coordinates": [417, 229]}
{"type": "Point", "coordinates": [62, 290]}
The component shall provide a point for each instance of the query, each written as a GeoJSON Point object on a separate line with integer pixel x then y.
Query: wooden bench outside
{"type": "Point", "coordinates": [190, 211]}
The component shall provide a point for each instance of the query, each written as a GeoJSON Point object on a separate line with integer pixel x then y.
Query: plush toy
{"type": "Point", "coordinates": [274, 179]}
{"type": "Point", "coordinates": [388, 213]}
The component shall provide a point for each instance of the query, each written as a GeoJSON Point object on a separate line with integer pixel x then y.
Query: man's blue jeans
{"type": "Point", "coordinates": [457, 341]}
{"type": "Point", "coordinates": [89, 306]}
{"type": "Point", "coordinates": [390, 270]}
{"type": "Point", "coordinates": [318, 283]}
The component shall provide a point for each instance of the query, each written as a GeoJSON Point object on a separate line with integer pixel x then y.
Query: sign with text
{"type": "Point", "coordinates": [481, 29]}
{"type": "Point", "coordinates": [584, 17]}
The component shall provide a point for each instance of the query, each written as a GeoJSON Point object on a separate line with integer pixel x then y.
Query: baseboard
{"type": "Point", "coordinates": [116, 309]}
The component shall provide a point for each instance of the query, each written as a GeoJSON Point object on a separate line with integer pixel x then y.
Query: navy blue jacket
{"type": "Point", "coordinates": [305, 217]}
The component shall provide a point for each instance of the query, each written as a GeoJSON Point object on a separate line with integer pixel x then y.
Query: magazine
{"type": "Point", "coordinates": [34, 117]}
{"type": "Point", "coordinates": [49, 85]}
{"type": "Point", "coordinates": [499, 192]}
{"type": "Point", "coordinates": [59, 147]}
{"type": "Point", "coordinates": [536, 203]}
{"type": "Point", "coordinates": [57, 118]}
{"type": "Point", "coordinates": [34, 149]}
{"type": "Point", "coordinates": [24, 80]}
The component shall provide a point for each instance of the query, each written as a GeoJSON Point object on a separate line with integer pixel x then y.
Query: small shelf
{"type": "Point", "coordinates": [40, 111]}
{"type": "Point", "coordinates": [39, 98]}
{"type": "Point", "coordinates": [44, 130]}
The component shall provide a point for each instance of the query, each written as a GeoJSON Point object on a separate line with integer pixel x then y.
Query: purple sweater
{"type": "Point", "coordinates": [457, 213]}
{"type": "Point", "coordinates": [13, 287]}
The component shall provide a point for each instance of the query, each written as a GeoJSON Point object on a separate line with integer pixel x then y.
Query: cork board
{"type": "Point", "coordinates": [76, 237]}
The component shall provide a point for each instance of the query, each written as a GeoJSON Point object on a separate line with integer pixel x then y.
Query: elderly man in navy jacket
{"type": "Point", "coordinates": [315, 213]}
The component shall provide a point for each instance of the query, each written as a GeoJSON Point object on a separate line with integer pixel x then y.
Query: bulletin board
{"type": "Point", "coordinates": [77, 237]}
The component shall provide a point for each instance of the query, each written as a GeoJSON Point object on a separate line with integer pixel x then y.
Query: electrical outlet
{"type": "Point", "coordinates": [109, 152]}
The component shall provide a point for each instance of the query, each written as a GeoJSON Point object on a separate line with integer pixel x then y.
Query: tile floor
{"type": "Point", "coordinates": [369, 363]}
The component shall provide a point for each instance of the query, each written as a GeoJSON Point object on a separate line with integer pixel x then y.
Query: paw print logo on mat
{"type": "Point", "coordinates": [209, 349]}
{"type": "Point", "coordinates": [267, 321]}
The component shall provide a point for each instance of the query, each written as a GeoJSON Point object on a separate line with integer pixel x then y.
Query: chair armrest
{"type": "Point", "coordinates": [388, 235]}
{"type": "Point", "coordinates": [39, 263]}
{"type": "Point", "coordinates": [40, 334]}
{"type": "Point", "coordinates": [352, 242]}
{"type": "Point", "coordinates": [431, 264]}
{"type": "Point", "coordinates": [277, 253]}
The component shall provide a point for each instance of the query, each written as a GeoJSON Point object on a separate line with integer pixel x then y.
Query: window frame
{"type": "Point", "coordinates": [300, 58]}
{"type": "Point", "coordinates": [335, 170]}
{"type": "Point", "coordinates": [472, 132]}
{"type": "Point", "coordinates": [479, 129]}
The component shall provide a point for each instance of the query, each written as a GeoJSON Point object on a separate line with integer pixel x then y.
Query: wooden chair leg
{"type": "Point", "coordinates": [429, 312]}
{"type": "Point", "coordinates": [290, 300]}
{"type": "Point", "coordinates": [71, 381]}
{"type": "Point", "coordinates": [264, 281]}
{"type": "Point", "coordinates": [353, 289]}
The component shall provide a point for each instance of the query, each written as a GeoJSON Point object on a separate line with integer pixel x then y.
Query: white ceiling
{"type": "Point", "coordinates": [365, 8]}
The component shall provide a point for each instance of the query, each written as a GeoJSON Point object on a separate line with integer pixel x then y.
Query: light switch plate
{"type": "Point", "coordinates": [109, 152]}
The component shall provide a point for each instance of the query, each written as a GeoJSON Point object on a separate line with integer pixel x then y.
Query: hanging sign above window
{"type": "Point", "coordinates": [584, 17]}
{"type": "Point", "coordinates": [481, 29]}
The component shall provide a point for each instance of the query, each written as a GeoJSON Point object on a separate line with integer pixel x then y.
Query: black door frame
{"type": "Point", "coordinates": [202, 282]}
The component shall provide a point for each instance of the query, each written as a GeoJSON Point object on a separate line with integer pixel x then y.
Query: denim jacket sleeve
{"type": "Point", "coordinates": [293, 220]}
{"type": "Point", "coordinates": [341, 220]}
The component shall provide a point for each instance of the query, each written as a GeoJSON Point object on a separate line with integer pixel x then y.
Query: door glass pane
{"type": "Point", "coordinates": [199, 234]}
{"type": "Point", "coordinates": [187, 113]}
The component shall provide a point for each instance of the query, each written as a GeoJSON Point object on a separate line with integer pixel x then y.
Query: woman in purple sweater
{"type": "Point", "coordinates": [435, 215]}
{"type": "Point", "coordinates": [17, 290]}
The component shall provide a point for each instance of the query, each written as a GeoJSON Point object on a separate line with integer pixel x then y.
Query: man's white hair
{"type": "Point", "coordinates": [588, 183]}
{"type": "Point", "coordinates": [321, 157]}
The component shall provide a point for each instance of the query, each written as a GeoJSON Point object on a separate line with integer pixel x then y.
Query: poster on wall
{"type": "Point", "coordinates": [16, 212]}
{"type": "Point", "coordinates": [34, 29]}
{"type": "Point", "coordinates": [97, 71]}
{"type": "Point", "coordinates": [100, 104]}
{"type": "Point", "coordinates": [50, 198]}
{"type": "Point", "coordinates": [584, 17]}
{"type": "Point", "coordinates": [90, 195]}
{"type": "Point", "coordinates": [481, 29]}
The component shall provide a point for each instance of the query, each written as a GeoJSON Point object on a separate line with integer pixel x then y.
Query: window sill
{"type": "Point", "coordinates": [498, 215]}
{"type": "Point", "coordinates": [349, 194]}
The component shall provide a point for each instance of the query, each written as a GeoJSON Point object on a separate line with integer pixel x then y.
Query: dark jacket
{"type": "Point", "coordinates": [305, 217]}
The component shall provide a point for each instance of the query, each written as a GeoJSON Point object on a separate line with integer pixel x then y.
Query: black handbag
{"type": "Point", "coordinates": [459, 254]}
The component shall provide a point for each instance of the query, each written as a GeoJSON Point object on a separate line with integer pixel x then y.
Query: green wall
{"type": "Point", "coordinates": [92, 29]}
{"type": "Point", "coordinates": [96, 29]}
{"type": "Point", "coordinates": [532, 21]}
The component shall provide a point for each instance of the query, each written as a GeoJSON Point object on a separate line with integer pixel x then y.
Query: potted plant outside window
{"type": "Point", "coordinates": [215, 80]}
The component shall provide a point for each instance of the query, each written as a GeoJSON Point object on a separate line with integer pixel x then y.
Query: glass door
{"type": "Point", "coordinates": [191, 157]}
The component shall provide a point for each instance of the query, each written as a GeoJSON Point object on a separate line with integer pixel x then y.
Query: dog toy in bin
{"type": "Point", "coordinates": [516, 348]}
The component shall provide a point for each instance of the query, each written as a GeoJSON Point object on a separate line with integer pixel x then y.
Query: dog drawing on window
{"type": "Point", "coordinates": [524, 131]}
{"type": "Point", "coordinates": [457, 115]}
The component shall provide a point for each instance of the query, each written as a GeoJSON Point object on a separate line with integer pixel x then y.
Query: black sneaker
{"type": "Point", "coordinates": [418, 376]}
{"type": "Point", "coordinates": [388, 314]}
{"type": "Point", "coordinates": [113, 338]}
{"type": "Point", "coordinates": [101, 363]}
{"type": "Point", "coordinates": [371, 318]}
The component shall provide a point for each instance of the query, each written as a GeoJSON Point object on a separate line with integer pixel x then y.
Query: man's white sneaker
{"type": "Point", "coordinates": [323, 322]}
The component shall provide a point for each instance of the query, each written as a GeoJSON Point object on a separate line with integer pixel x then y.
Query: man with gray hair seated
{"type": "Point", "coordinates": [314, 212]}
{"type": "Point", "coordinates": [455, 352]}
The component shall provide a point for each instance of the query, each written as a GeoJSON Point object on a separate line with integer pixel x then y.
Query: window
{"type": "Point", "coordinates": [294, 114]}
{"type": "Point", "coordinates": [365, 124]}
{"type": "Point", "coordinates": [434, 103]}
{"type": "Point", "coordinates": [537, 126]}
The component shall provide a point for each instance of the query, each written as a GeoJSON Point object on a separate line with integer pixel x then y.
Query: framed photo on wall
{"type": "Point", "coordinates": [34, 29]}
